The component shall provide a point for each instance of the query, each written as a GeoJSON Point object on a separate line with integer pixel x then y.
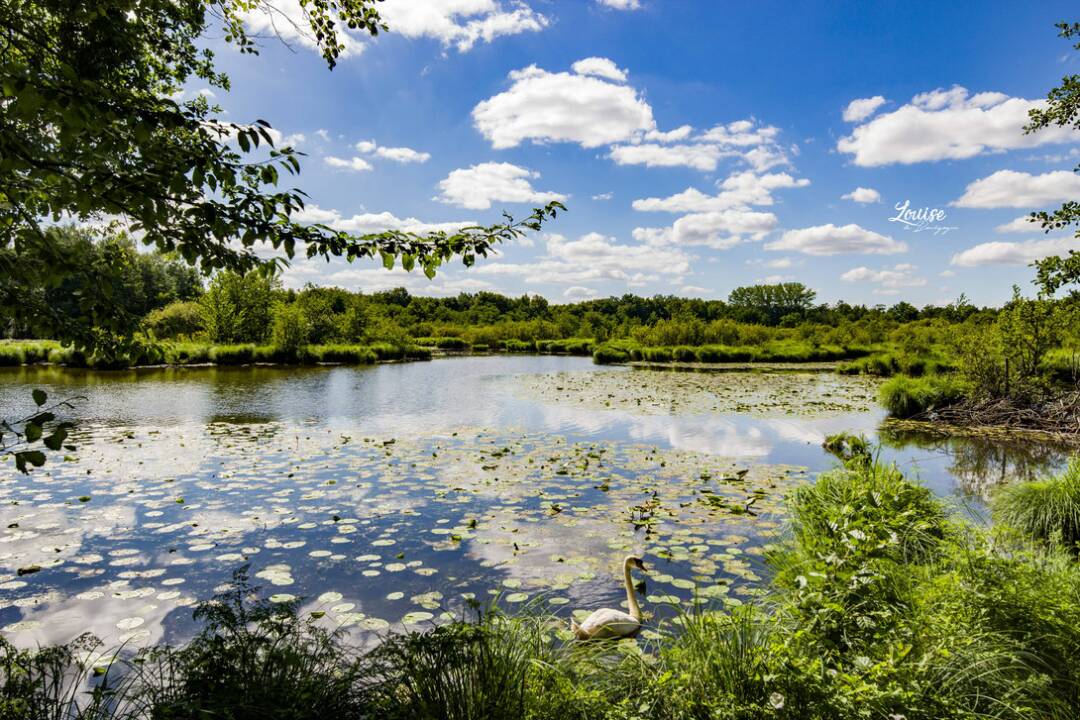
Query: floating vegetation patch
{"type": "Point", "coordinates": [371, 533]}
{"type": "Point", "coordinates": [762, 394]}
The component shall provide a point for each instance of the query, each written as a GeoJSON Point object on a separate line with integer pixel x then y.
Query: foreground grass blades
{"type": "Point", "coordinates": [885, 604]}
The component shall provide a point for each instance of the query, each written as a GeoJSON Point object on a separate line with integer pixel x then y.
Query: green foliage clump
{"type": "Point", "coordinates": [609, 354]}
{"type": "Point", "coordinates": [345, 354]}
{"type": "Point", "coordinates": [180, 319]}
{"type": "Point", "coordinates": [11, 355]}
{"type": "Point", "coordinates": [232, 354]}
{"type": "Point", "coordinates": [290, 329]}
{"type": "Point", "coordinates": [1045, 510]}
{"type": "Point", "coordinates": [905, 397]}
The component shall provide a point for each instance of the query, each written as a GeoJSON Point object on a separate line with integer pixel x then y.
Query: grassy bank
{"type": "Point", "coordinates": [195, 353]}
{"type": "Point", "coordinates": [619, 351]}
{"type": "Point", "coordinates": [884, 604]}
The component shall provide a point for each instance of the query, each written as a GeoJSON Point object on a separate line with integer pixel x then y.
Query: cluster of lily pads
{"type": "Point", "coordinates": [370, 532]}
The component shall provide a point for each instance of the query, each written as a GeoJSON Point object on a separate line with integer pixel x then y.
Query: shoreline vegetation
{"type": "Point", "coordinates": [896, 607]}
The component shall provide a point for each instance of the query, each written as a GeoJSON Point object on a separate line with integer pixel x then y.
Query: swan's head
{"type": "Point", "coordinates": [636, 562]}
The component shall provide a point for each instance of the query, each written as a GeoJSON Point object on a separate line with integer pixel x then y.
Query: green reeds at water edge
{"type": "Point", "coordinates": [884, 603]}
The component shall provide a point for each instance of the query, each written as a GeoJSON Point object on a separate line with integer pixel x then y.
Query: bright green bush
{"type": "Point", "coordinates": [290, 329]}
{"type": "Point", "coordinates": [346, 354]}
{"type": "Point", "coordinates": [906, 397]}
{"type": "Point", "coordinates": [1046, 510]}
{"type": "Point", "coordinates": [11, 355]}
{"type": "Point", "coordinates": [175, 320]}
{"type": "Point", "coordinates": [232, 354]}
{"type": "Point", "coordinates": [608, 354]}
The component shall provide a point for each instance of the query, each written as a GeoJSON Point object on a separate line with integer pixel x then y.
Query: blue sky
{"type": "Point", "coordinates": [698, 145]}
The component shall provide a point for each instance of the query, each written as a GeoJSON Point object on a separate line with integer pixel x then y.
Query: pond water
{"type": "Point", "coordinates": [386, 497]}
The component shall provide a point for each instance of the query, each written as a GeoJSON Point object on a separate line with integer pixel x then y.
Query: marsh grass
{"type": "Point", "coordinates": [906, 397]}
{"type": "Point", "coordinates": [1046, 510]}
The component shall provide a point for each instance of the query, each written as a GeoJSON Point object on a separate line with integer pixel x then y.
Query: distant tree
{"type": "Point", "coordinates": [772, 302]}
{"type": "Point", "coordinates": [237, 308]}
{"type": "Point", "coordinates": [1062, 110]}
{"type": "Point", "coordinates": [95, 127]}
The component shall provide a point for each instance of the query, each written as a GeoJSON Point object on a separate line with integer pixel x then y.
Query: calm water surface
{"type": "Point", "coordinates": [386, 496]}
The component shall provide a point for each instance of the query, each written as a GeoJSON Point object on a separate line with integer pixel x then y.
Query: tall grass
{"type": "Point", "coordinates": [906, 397]}
{"type": "Point", "coordinates": [1044, 510]}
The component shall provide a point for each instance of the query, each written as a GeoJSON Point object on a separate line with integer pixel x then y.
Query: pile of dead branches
{"type": "Point", "coordinates": [1058, 413]}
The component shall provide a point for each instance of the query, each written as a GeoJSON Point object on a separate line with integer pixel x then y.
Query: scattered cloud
{"type": "Point", "coordinates": [1021, 224]}
{"type": "Point", "coordinates": [599, 67]}
{"type": "Point", "coordinates": [364, 223]}
{"type": "Point", "coordinates": [863, 195]}
{"type": "Point", "coordinates": [754, 144]}
{"type": "Point", "coordinates": [1013, 253]}
{"type": "Point", "coordinates": [594, 257]}
{"type": "Point", "coordinates": [620, 4]}
{"type": "Point", "coordinates": [694, 290]}
{"type": "Point", "coordinates": [889, 279]}
{"type": "Point", "coordinates": [457, 23]}
{"type": "Point", "coordinates": [603, 196]}
{"type": "Point", "coordinates": [718, 230]}
{"type": "Point", "coordinates": [698, 157]}
{"type": "Point", "coordinates": [353, 164]}
{"type": "Point", "coordinates": [1009, 188]}
{"type": "Point", "coordinates": [579, 292]}
{"type": "Point", "coordinates": [829, 239]}
{"type": "Point", "coordinates": [376, 279]}
{"type": "Point", "coordinates": [737, 190]}
{"type": "Point", "coordinates": [396, 154]}
{"type": "Point", "coordinates": [542, 106]}
{"type": "Point", "coordinates": [476, 187]}
{"type": "Point", "coordinates": [948, 125]}
{"type": "Point", "coordinates": [861, 108]}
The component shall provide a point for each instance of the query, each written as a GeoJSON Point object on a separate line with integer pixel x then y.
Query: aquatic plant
{"type": "Point", "coordinates": [1045, 510]}
{"type": "Point", "coordinates": [906, 397]}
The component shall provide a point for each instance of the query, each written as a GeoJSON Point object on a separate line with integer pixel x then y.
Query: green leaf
{"type": "Point", "coordinates": [40, 396]}
{"type": "Point", "coordinates": [33, 432]}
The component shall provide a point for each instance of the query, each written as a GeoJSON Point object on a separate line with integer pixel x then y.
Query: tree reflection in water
{"type": "Point", "coordinates": [982, 464]}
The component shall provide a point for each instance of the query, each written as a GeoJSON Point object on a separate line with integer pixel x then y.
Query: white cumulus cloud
{"type": "Point", "coordinates": [894, 278]}
{"type": "Point", "coordinates": [863, 195]}
{"type": "Point", "coordinates": [396, 154]}
{"type": "Point", "coordinates": [353, 164]}
{"type": "Point", "coordinates": [599, 67]}
{"type": "Point", "coordinates": [718, 230]}
{"type": "Point", "coordinates": [948, 125]}
{"type": "Point", "coordinates": [1010, 188]}
{"type": "Point", "coordinates": [476, 187]}
{"type": "Point", "coordinates": [364, 223]}
{"type": "Point", "coordinates": [861, 108]}
{"type": "Point", "coordinates": [832, 240]}
{"type": "Point", "coordinates": [460, 23]}
{"type": "Point", "coordinates": [542, 106]}
{"type": "Point", "coordinates": [1013, 253]}
{"type": "Point", "coordinates": [737, 190]}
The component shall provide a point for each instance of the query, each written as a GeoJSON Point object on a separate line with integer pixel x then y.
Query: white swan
{"type": "Point", "coordinates": [608, 623]}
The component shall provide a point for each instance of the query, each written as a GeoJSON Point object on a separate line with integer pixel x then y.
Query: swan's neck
{"type": "Point", "coordinates": [631, 596]}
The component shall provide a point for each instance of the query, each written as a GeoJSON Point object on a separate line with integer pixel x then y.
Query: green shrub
{"type": "Point", "coordinates": [232, 354]}
{"type": "Point", "coordinates": [347, 354]}
{"type": "Point", "coordinates": [11, 355]}
{"type": "Point", "coordinates": [684, 354]}
{"type": "Point", "coordinates": [289, 328]}
{"type": "Point", "coordinates": [1046, 510]}
{"type": "Point", "coordinates": [721, 665]}
{"type": "Point", "coordinates": [608, 354]}
{"type": "Point", "coordinates": [187, 353]}
{"type": "Point", "coordinates": [656, 354]}
{"type": "Point", "coordinates": [177, 319]}
{"type": "Point", "coordinates": [253, 660]}
{"type": "Point", "coordinates": [906, 397]}
{"type": "Point", "coordinates": [518, 346]}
